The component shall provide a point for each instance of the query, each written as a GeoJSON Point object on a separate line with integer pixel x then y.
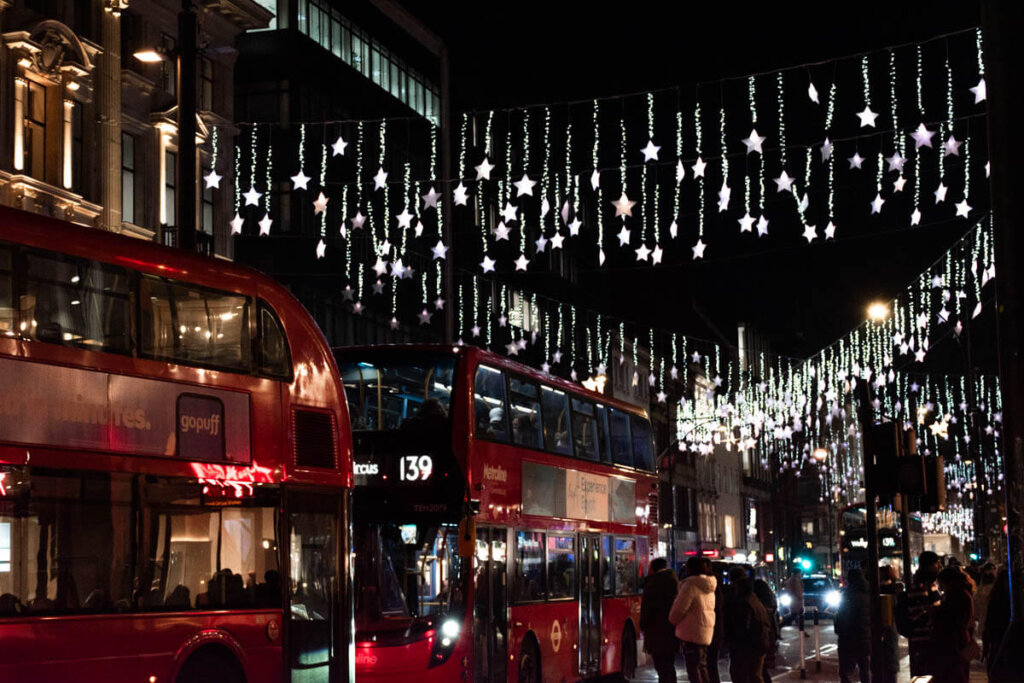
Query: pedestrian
{"type": "Point", "coordinates": [986, 579]}
{"type": "Point", "coordinates": [795, 587]}
{"type": "Point", "coordinates": [693, 613]}
{"type": "Point", "coordinates": [914, 611]}
{"type": "Point", "coordinates": [889, 666]}
{"type": "Point", "coordinates": [853, 628]}
{"type": "Point", "coordinates": [765, 594]}
{"type": "Point", "coordinates": [747, 629]}
{"type": "Point", "coordinates": [1000, 666]}
{"type": "Point", "coordinates": [717, 646]}
{"type": "Point", "coordinates": [953, 641]}
{"type": "Point", "coordinates": [659, 635]}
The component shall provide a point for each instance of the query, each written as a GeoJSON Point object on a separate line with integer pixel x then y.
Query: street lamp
{"type": "Point", "coordinates": [149, 56]}
{"type": "Point", "coordinates": [878, 311]}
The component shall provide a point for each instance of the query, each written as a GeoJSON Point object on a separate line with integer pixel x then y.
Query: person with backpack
{"type": "Point", "coordinates": [953, 643]}
{"type": "Point", "coordinates": [747, 629]}
{"type": "Point", "coordinates": [915, 609]}
{"type": "Point", "coordinates": [853, 626]}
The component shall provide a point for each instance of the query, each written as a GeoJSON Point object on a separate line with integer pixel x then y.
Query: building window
{"type": "Point", "coordinates": [170, 187]}
{"type": "Point", "coordinates": [35, 131]}
{"type": "Point", "coordinates": [169, 67]}
{"type": "Point", "coordinates": [128, 178]}
{"type": "Point", "coordinates": [729, 524]}
{"type": "Point", "coordinates": [206, 84]}
{"type": "Point", "coordinates": [206, 212]}
{"type": "Point", "coordinates": [808, 527]}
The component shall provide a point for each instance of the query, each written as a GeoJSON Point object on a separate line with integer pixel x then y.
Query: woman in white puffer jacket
{"type": "Point", "coordinates": [693, 614]}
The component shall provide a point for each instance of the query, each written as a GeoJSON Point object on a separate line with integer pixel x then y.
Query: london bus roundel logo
{"type": "Point", "coordinates": [556, 635]}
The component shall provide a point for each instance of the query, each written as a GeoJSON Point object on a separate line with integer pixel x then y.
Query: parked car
{"type": "Point", "coordinates": [820, 592]}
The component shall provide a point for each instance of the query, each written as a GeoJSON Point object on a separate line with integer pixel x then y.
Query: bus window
{"type": "Point", "coordinates": [561, 566]}
{"type": "Point", "coordinates": [602, 432]}
{"type": "Point", "coordinates": [606, 565]}
{"type": "Point", "coordinates": [555, 405]}
{"type": "Point", "coordinates": [643, 445]}
{"type": "Point", "coordinates": [526, 423]}
{"type": "Point", "coordinates": [193, 325]}
{"type": "Point", "coordinates": [584, 430]}
{"type": "Point", "coordinates": [625, 566]}
{"type": "Point", "coordinates": [274, 357]}
{"type": "Point", "coordinates": [76, 303]}
{"type": "Point", "coordinates": [622, 448]}
{"type": "Point", "coordinates": [529, 566]}
{"type": "Point", "coordinates": [489, 404]}
{"type": "Point", "coordinates": [6, 293]}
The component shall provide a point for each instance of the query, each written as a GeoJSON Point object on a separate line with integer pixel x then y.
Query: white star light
{"type": "Point", "coordinates": [784, 183]}
{"type": "Point", "coordinates": [483, 170]}
{"type": "Point", "coordinates": [680, 171]}
{"type": "Point", "coordinates": [545, 207]}
{"type": "Point", "coordinates": [867, 117]}
{"type": "Point", "coordinates": [357, 308]}
{"type": "Point", "coordinates": [487, 264]}
{"type": "Point", "coordinates": [951, 146]}
{"type": "Point", "coordinates": [439, 250]}
{"type": "Point", "coordinates": [673, 229]}
{"type": "Point", "coordinates": [404, 219]}
{"type": "Point", "coordinates": [378, 287]}
{"type": "Point", "coordinates": [830, 231]}
{"type": "Point", "coordinates": [542, 243]}
{"type": "Point", "coordinates": [418, 228]}
{"type": "Point", "coordinates": [380, 179]}
{"type": "Point", "coordinates": [595, 180]}
{"type": "Point", "coordinates": [826, 149]}
{"type": "Point", "coordinates": [723, 197]}
{"type": "Point", "coordinates": [524, 186]}
{"type": "Point", "coordinates": [508, 214]}
{"type": "Point", "coordinates": [812, 93]}
{"type": "Point", "coordinates": [212, 179]}
{"type": "Point", "coordinates": [556, 240]}
{"type": "Point", "coordinates": [856, 160]}
{"type": "Point", "coordinates": [940, 193]}
{"type": "Point", "coordinates": [522, 262]}
{"type": "Point", "coordinates": [746, 223]}
{"type": "Point", "coordinates": [236, 224]}
{"type": "Point", "coordinates": [574, 227]}
{"type": "Point", "coordinates": [300, 181]}
{"type": "Point", "coordinates": [762, 226]}
{"type": "Point", "coordinates": [321, 249]}
{"type": "Point", "coordinates": [698, 249]}
{"type": "Point", "coordinates": [394, 323]}
{"type": "Point", "coordinates": [358, 220]}
{"type": "Point", "coordinates": [656, 255]}
{"type": "Point", "coordinates": [922, 137]}
{"type": "Point", "coordinates": [338, 148]}
{"type": "Point", "coordinates": [430, 198]}
{"type": "Point", "coordinates": [963, 208]}
{"type": "Point", "coordinates": [380, 267]}
{"type": "Point", "coordinates": [425, 317]}
{"type": "Point", "coordinates": [642, 253]}
{"type": "Point", "coordinates": [320, 204]}
{"type": "Point", "coordinates": [915, 217]}
{"type": "Point", "coordinates": [461, 196]}
{"type": "Point", "coordinates": [754, 142]}
{"type": "Point", "coordinates": [500, 232]}
{"type": "Point", "coordinates": [662, 397]}
{"type": "Point", "coordinates": [623, 207]}
{"type": "Point", "coordinates": [650, 152]}
{"type": "Point", "coordinates": [623, 236]}
{"type": "Point", "coordinates": [810, 233]}
{"type": "Point", "coordinates": [876, 203]}
{"type": "Point", "coordinates": [398, 269]}
{"type": "Point", "coordinates": [896, 162]}
{"type": "Point", "coordinates": [475, 330]}
{"type": "Point", "coordinates": [979, 91]}
{"type": "Point", "coordinates": [252, 197]}
{"type": "Point", "coordinates": [347, 293]}
{"type": "Point", "coordinates": [556, 357]}
{"type": "Point", "coordinates": [698, 168]}
{"type": "Point", "coordinates": [897, 185]}
{"type": "Point", "coordinates": [265, 224]}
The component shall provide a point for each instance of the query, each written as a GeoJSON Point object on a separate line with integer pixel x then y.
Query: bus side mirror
{"type": "Point", "coordinates": [467, 537]}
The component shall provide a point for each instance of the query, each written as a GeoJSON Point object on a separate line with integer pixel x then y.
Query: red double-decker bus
{"type": "Point", "coordinates": [175, 468]}
{"type": "Point", "coordinates": [503, 519]}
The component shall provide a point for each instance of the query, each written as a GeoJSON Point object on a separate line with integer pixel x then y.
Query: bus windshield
{"type": "Point", "coordinates": [405, 571]}
{"type": "Point", "coordinates": [398, 390]}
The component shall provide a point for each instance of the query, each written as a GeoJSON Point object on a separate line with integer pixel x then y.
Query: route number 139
{"type": "Point", "coordinates": [415, 467]}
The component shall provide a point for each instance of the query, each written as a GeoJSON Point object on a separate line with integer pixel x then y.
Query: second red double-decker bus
{"type": "Point", "coordinates": [175, 468]}
{"type": "Point", "coordinates": [503, 519]}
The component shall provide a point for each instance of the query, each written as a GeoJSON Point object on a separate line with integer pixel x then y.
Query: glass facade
{"type": "Point", "coordinates": [324, 24]}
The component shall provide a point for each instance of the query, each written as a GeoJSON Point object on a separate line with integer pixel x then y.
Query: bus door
{"type": "Point", "coordinates": [490, 599]}
{"type": "Point", "coordinates": [317, 637]}
{"type": "Point", "coordinates": [590, 604]}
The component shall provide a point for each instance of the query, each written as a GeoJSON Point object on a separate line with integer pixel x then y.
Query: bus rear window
{"type": "Point", "coordinates": [643, 445]}
{"type": "Point", "coordinates": [622, 446]}
{"type": "Point", "coordinates": [555, 404]}
{"type": "Point", "coordinates": [194, 325]}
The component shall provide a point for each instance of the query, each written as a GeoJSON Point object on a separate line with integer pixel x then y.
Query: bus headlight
{"type": "Point", "coordinates": [445, 644]}
{"type": "Point", "coordinates": [833, 598]}
{"type": "Point", "coordinates": [785, 600]}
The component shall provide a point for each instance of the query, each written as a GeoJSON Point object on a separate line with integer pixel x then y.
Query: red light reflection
{"type": "Point", "coordinates": [3, 489]}
{"type": "Point", "coordinates": [238, 478]}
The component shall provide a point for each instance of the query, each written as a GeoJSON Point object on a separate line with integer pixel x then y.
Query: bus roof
{"type": "Point", "coordinates": [479, 355]}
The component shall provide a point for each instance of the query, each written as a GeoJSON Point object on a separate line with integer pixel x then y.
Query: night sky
{"type": "Point", "coordinates": [802, 297]}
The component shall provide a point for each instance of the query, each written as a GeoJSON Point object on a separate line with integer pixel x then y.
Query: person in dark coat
{"type": "Point", "coordinates": [764, 593]}
{"type": "Point", "coordinates": [659, 634]}
{"type": "Point", "coordinates": [914, 610]}
{"type": "Point", "coordinates": [952, 627]}
{"type": "Point", "coordinates": [747, 629]}
{"type": "Point", "coordinates": [853, 627]}
{"type": "Point", "coordinates": [997, 619]}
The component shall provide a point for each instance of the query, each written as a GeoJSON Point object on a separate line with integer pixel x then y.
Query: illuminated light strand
{"type": "Point", "coordinates": [981, 60]}
{"type": "Point", "coordinates": [463, 135]}
{"type": "Point", "coordinates": [350, 237]}
{"type": "Point", "coordinates": [476, 302]}
{"type": "Point", "coordinates": [302, 146]}
{"type": "Point", "coordinates": [461, 310]}
{"type": "Point", "coordinates": [545, 178]}
{"type": "Point", "coordinates": [594, 158]}
{"type": "Point", "coordinates": [723, 147]}
{"type": "Point", "coordinates": [490, 317]}
{"type": "Point", "coordinates": [526, 172]}
{"type": "Point", "coordinates": [647, 213]}
{"type": "Point", "coordinates": [253, 142]}
{"type": "Point", "coordinates": [407, 188]}
{"type": "Point", "coordinates": [238, 162]}
{"type": "Point", "coordinates": [782, 118]}
{"type": "Point", "coordinates": [323, 183]}
{"type": "Point", "coordinates": [359, 283]}
{"type": "Point", "coordinates": [269, 169]}
{"type": "Point", "coordinates": [679, 156]}
{"type": "Point", "coordinates": [947, 129]}
{"type": "Point", "coordinates": [699, 133]}
{"type": "Point", "coordinates": [382, 131]}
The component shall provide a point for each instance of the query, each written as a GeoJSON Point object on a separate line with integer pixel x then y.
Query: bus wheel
{"type": "Point", "coordinates": [529, 663]}
{"type": "Point", "coordinates": [628, 653]}
{"type": "Point", "coordinates": [211, 665]}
